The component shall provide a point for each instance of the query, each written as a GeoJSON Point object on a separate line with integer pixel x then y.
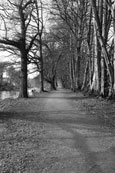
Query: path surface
{"type": "Point", "coordinates": [70, 139]}
{"type": "Point", "coordinates": [78, 140]}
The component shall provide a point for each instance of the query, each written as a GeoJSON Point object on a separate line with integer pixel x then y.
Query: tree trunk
{"type": "Point", "coordinates": [95, 82]}
{"type": "Point", "coordinates": [53, 83]}
{"type": "Point", "coordinates": [114, 44]}
{"type": "Point", "coordinates": [89, 41]}
{"type": "Point", "coordinates": [84, 85]}
{"type": "Point", "coordinates": [70, 69]}
{"type": "Point", "coordinates": [72, 65]}
{"type": "Point", "coordinates": [102, 77]}
{"type": "Point", "coordinates": [90, 67]}
{"type": "Point", "coordinates": [23, 82]}
{"type": "Point", "coordinates": [42, 67]}
{"type": "Point", "coordinates": [78, 85]}
{"type": "Point", "coordinates": [103, 17]}
{"type": "Point", "coordinates": [104, 49]}
{"type": "Point", "coordinates": [73, 72]}
{"type": "Point", "coordinates": [23, 52]}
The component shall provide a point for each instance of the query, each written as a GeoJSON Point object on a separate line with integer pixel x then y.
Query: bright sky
{"type": "Point", "coordinates": [4, 57]}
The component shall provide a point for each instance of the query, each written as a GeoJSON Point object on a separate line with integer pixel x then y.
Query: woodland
{"type": "Point", "coordinates": [74, 43]}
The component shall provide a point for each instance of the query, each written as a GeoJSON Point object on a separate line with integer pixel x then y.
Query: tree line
{"type": "Point", "coordinates": [90, 33]}
{"type": "Point", "coordinates": [77, 49]}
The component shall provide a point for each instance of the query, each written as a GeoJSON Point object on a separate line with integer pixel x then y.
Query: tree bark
{"type": "Point", "coordinates": [102, 77]}
{"type": "Point", "coordinates": [114, 44]}
{"type": "Point", "coordinates": [53, 83]}
{"type": "Point", "coordinates": [23, 83]}
{"type": "Point", "coordinates": [104, 49]}
{"type": "Point", "coordinates": [42, 66]}
{"type": "Point", "coordinates": [95, 82]}
{"type": "Point", "coordinates": [78, 85]}
{"type": "Point", "coordinates": [84, 85]}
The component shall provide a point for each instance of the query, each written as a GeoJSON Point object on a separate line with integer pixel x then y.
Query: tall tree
{"type": "Point", "coordinates": [104, 48]}
{"type": "Point", "coordinates": [3, 66]}
{"type": "Point", "coordinates": [40, 27]}
{"type": "Point", "coordinates": [52, 56]}
{"type": "Point", "coordinates": [18, 32]}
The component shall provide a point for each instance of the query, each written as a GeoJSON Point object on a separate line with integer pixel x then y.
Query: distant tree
{"type": "Point", "coordinates": [52, 57]}
{"type": "Point", "coordinates": [56, 52]}
{"type": "Point", "coordinates": [74, 16]}
{"type": "Point", "coordinates": [3, 65]}
{"type": "Point", "coordinates": [14, 76]}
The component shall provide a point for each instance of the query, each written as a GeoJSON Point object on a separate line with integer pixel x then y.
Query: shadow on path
{"type": "Point", "coordinates": [72, 121]}
{"type": "Point", "coordinates": [68, 124]}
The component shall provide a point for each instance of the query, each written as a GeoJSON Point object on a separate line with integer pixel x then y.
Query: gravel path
{"type": "Point", "coordinates": [58, 132]}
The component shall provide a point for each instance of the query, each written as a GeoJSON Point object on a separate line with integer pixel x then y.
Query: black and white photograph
{"type": "Point", "coordinates": [57, 86]}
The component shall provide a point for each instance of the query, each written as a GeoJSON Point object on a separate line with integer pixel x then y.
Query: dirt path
{"type": "Point", "coordinates": [54, 134]}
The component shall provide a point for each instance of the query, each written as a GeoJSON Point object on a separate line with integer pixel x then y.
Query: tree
{"type": "Point", "coordinates": [40, 27]}
{"type": "Point", "coordinates": [74, 15]}
{"type": "Point", "coordinates": [52, 56]}
{"type": "Point", "coordinates": [19, 31]}
{"type": "Point", "coordinates": [91, 52]}
{"type": "Point", "coordinates": [3, 65]}
{"type": "Point", "coordinates": [103, 46]}
{"type": "Point", "coordinates": [14, 76]}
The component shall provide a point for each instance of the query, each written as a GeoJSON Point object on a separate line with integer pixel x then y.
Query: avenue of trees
{"type": "Point", "coordinates": [90, 33]}
{"type": "Point", "coordinates": [77, 48]}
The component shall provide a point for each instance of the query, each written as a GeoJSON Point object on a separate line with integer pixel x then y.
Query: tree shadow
{"type": "Point", "coordinates": [55, 117]}
{"type": "Point", "coordinates": [64, 120]}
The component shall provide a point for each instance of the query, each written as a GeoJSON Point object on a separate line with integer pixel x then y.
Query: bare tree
{"type": "Point", "coordinates": [19, 31]}
{"type": "Point", "coordinates": [52, 55]}
{"type": "Point", "coordinates": [40, 27]}
{"type": "Point", "coordinates": [104, 48]}
{"type": "Point", "coordinates": [74, 15]}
